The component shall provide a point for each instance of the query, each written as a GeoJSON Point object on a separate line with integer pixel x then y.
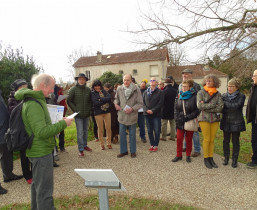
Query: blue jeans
{"type": "Point", "coordinates": [196, 140]}
{"type": "Point", "coordinates": [154, 129]}
{"type": "Point", "coordinates": [123, 138]}
{"type": "Point", "coordinates": [82, 132]}
{"type": "Point", "coordinates": [141, 125]}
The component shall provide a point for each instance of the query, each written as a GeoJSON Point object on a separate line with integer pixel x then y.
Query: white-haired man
{"type": "Point", "coordinates": [37, 121]}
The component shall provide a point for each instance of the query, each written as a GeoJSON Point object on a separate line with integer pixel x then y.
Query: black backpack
{"type": "Point", "coordinates": [16, 136]}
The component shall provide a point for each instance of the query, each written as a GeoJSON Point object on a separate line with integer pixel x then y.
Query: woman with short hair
{"type": "Point", "coordinates": [185, 110]}
{"type": "Point", "coordinates": [210, 103]}
{"type": "Point", "coordinates": [101, 106]}
{"type": "Point", "coordinates": [232, 122]}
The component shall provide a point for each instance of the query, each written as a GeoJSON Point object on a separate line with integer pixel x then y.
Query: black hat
{"type": "Point", "coordinates": [187, 71]}
{"type": "Point", "coordinates": [17, 83]}
{"type": "Point", "coordinates": [168, 80]}
{"type": "Point", "coordinates": [171, 78]}
{"type": "Point", "coordinates": [81, 75]}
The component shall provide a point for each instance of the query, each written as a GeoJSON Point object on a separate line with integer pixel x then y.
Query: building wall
{"type": "Point", "coordinates": [143, 70]}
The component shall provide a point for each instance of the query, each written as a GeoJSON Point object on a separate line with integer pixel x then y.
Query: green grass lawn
{"type": "Point", "coordinates": [115, 203]}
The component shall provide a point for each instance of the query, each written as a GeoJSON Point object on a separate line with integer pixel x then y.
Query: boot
{"type": "Point", "coordinates": [207, 163]}
{"type": "Point", "coordinates": [213, 164]}
{"type": "Point", "coordinates": [234, 162]}
{"type": "Point", "coordinates": [226, 161]}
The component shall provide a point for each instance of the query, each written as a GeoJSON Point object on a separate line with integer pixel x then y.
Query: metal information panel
{"type": "Point", "coordinates": [103, 180]}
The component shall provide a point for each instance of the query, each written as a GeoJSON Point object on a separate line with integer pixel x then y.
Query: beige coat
{"type": "Point", "coordinates": [135, 101]}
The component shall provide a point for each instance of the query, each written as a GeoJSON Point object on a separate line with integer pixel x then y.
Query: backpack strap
{"type": "Point", "coordinates": [206, 102]}
{"type": "Point", "coordinates": [32, 99]}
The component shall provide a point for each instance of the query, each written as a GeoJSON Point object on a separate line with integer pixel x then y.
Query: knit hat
{"type": "Point", "coordinates": [17, 83]}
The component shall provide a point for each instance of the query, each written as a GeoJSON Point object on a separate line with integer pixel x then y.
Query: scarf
{"type": "Point", "coordinates": [149, 91]}
{"type": "Point", "coordinates": [233, 95]}
{"type": "Point", "coordinates": [185, 95]}
{"type": "Point", "coordinates": [211, 90]}
{"type": "Point", "coordinates": [128, 90]}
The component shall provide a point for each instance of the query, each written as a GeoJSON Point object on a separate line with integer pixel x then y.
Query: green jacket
{"type": "Point", "coordinates": [209, 112]}
{"type": "Point", "coordinates": [37, 121]}
{"type": "Point", "coordinates": [79, 100]}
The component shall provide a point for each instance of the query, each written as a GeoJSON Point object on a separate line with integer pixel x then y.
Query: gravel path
{"type": "Point", "coordinates": [151, 175]}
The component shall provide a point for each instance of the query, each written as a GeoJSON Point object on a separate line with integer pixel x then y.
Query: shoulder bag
{"type": "Point", "coordinates": [191, 125]}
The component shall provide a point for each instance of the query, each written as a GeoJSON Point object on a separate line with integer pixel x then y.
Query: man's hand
{"type": "Point", "coordinates": [149, 111]}
{"type": "Point", "coordinates": [68, 120]}
{"type": "Point", "coordinates": [117, 107]}
{"type": "Point", "coordinates": [129, 110]}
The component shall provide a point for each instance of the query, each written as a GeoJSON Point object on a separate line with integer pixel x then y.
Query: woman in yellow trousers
{"type": "Point", "coordinates": [210, 104]}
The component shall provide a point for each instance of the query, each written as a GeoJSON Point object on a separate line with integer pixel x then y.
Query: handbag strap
{"type": "Point", "coordinates": [206, 102]}
{"type": "Point", "coordinates": [183, 102]}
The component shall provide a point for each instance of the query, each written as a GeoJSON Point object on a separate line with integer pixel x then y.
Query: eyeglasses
{"type": "Point", "coordinates": [152, 80]}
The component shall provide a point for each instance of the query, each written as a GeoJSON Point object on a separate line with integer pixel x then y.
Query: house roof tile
{"type": "Point", "coordinates": [199, 71]}
{"type": "Point", "coordinates": [127, 57]}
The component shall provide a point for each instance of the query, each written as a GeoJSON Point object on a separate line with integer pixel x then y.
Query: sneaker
{"type": "Point", "coordinates": [151, 148]}
{"type": "Point", "coordinates": [251, 165]}
{"type": "Point", "coordinates": [88, 149]}
{"type": "Point", "coordinates": [81, 154]}
{"type": "Point", "coordinates": [2, 190]}
{"type": "Point", "coordinates": [155, 149]}
{"type": "Point", "coordinates": [29, 181]}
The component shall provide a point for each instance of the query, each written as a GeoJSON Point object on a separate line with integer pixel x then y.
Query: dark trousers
{"type": "Point", "coordinates": [95, 127]}
{"type": "Point", "coordinates": [254, 141]}
{"type": "Point", "coordinates": [141, 124]}
{"type": "Point", "coordinates": [61, 140]}
{"type": "Point", "coordinates": [6, 159]}
{"type": "Point", "coordinates": [25, 165]}
{"type": "Point", "coordinates": [235, 141]}
{"type": "Point", "coordinates": [43, 183]}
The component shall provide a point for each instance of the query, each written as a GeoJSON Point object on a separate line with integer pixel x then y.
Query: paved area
{"type": "Point", "coordinates": [151, 175]}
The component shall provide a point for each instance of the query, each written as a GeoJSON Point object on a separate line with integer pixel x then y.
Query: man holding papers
{"type": "Point", "coordinates": [128, 100]}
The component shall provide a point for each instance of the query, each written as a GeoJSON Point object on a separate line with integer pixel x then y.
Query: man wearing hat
{"type": "Point", "coordinates": [186, 75]}
{"type": "Point", "coordinates": [173, 83]}
{"type": "Point", "coordinates": [79, 100]}
{"type": "Point", "coordinates": [170, 94]}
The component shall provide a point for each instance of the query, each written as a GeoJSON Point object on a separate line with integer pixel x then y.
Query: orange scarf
{"type": "Point", "coordinates": [211, 91]}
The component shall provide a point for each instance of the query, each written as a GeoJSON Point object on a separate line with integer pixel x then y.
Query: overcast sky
{"type": "Point", "coordinates": [50, 30]}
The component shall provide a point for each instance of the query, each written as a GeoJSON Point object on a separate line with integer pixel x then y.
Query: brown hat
{"type": "Point", "coordinates": [187, 71]}
{"type": "Point", "coordinates": [168, 80]}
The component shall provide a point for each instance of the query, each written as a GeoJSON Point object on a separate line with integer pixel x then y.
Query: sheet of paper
{"type": "Point", "coordinates": [72, 115]}
{"type": "Point", "coordinates": [126, 107]}
{"type": "Point", "coordinates": [55, 112]}
{"type": "Point", "coordinates": [61, 97]}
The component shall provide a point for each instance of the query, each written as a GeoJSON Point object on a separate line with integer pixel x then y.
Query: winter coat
{"type": "Point", "coordinates": [101, 104]}
{"type": "Point", "coordinates": [249, 115]}
{"type": "Point", "coordinates": [191, 111]}
{"type": "Point", "coordinates": [79, 100]}
{"type": "Point", "coordinates": [153, 102]}
{"type": "Point", "coordinates": [135, 101]}
{"type": "Point", "coordinates": [232, 115]}
{"type": "Point", "coordinates": [12, 102]}
{"type": "Point", "coordinates": [37, 121]}
{"type": "Point", "coordinates": [4, 119]}
{"type": "Point", "coordinates": [209, 112]}
{"type": "Point", "coordinates": [170, 94]}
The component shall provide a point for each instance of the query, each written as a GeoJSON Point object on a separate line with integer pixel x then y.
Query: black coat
{"type": "Point", "coordinates": [170, 94]}
{"type": "Point", "coordinates": [232, 117]}
{"type": "Point", "coordinates": [101, 105]}
{"type": "Point", "coordinates": [4, 119]}
{"type": "Point", "coordinates": [191, 111]}
{"type": "Point", "coordinates": [249, 114]}
{"type": "Point", "coordinates": [154, 103]}
{"type": "Point", "coordinates": [12, 102]}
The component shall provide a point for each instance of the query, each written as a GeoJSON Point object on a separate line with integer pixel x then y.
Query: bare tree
{"type": "Point", "coordinates": [217, 26]}
{"type": "Point", "coordinates": [74, 56]}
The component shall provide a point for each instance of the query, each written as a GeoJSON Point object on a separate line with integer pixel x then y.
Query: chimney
{"type": "Point", "coordinates": [98, 57]}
